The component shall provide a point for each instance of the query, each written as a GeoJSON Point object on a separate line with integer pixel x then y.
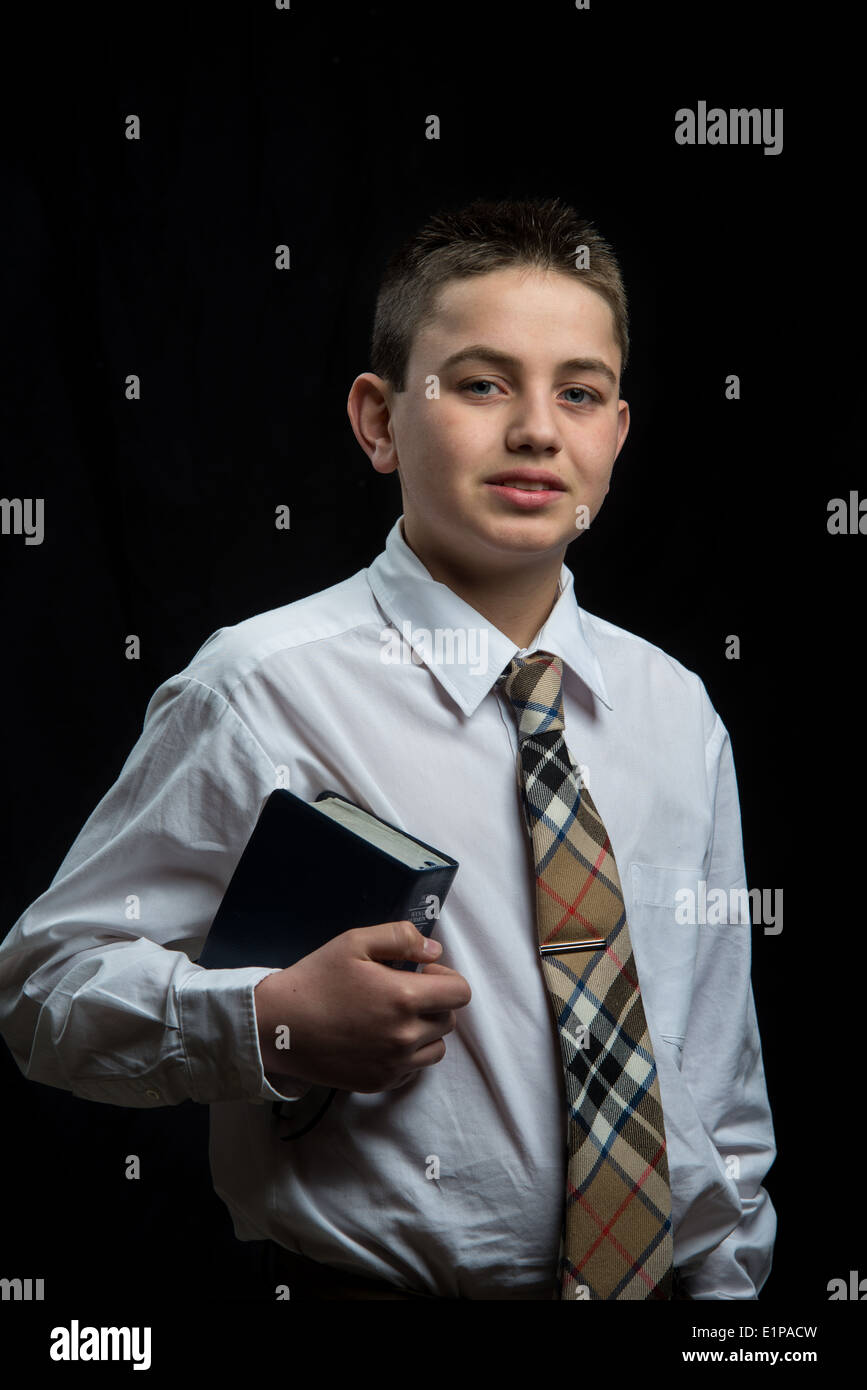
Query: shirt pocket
{"type": "Point", "coordinates": [665, 949]}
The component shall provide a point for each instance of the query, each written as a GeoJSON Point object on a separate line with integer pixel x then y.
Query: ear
{"type": "Point", "coordinates": [623, 422]}
{"type": "Point", "coordinates": [369, 409]}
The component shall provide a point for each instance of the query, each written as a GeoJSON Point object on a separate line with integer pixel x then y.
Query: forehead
{"type": "Point", "coordinates": [521, 309]}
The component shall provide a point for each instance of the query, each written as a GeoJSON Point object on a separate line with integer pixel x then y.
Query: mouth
{"type": "Point", "coordinates": [528, 480]}
{"type": "Point", "coordinates": [526, 487]}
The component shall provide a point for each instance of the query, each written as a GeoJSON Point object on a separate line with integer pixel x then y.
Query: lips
{"type": "Point", "coordinates": [529, 490]}
{"type": "Point", "coordinates": [529, 480]}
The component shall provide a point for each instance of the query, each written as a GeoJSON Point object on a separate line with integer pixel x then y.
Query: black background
{"type": "Point", "coordinates": [156, 257]}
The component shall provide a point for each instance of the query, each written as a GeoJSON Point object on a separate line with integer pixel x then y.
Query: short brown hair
{"type": "Point", "coordinates": [484, 236]}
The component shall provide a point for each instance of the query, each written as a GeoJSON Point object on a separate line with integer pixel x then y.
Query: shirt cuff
{"type": "Point", "coordinates": [220, 1039]}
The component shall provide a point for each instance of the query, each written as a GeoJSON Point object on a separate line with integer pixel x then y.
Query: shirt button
{"type": "Point", "coordinates": [152, 1094]}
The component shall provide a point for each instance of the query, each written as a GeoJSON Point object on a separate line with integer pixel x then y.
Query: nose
{"type": "Point", "coordinates": [533, 427]}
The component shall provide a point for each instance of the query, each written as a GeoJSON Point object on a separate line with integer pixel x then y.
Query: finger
{"type": "Point", "coordinates": [446, 996]}
{"type": "Point", "coordinates": [430, 1054]}
{"type": "Point", "coordinates": [444, 1022]}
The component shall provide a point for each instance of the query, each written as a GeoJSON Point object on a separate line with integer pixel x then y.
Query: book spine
{"type": "Point", "coordinates": [421, 904]}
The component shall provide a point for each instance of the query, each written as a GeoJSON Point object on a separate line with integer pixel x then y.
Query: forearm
{"type": "Point", "coordinates": [131, 1023]}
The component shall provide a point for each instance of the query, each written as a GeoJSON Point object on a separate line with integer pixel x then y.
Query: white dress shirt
{"type": "Point", "coordinates": [99, 994]}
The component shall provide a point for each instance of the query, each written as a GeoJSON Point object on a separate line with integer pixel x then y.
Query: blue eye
{"type": "Point", "coordinates": [468, 385]}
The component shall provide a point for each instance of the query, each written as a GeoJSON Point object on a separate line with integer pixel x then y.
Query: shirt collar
{"type": "Point", "coordinates": [462, 649]}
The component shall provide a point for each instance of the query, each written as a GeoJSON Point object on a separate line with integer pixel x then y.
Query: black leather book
{"type": "Point", "coordinates": [312, 870]}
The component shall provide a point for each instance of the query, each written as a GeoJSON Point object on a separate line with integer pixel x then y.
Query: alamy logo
{"type": "Point", "coordinates": [741, 126]}
{"type": "Point", "coordinates": [444, 646]}
{"type": "Point", "coordinates": [24, 516]}
{"type": "Point", "coordinates": [857, 1288]}
{"type": "Point", "coordinates": [848, 521]}
{"type": "Point", "coordinates": [720, 908]}
{"type": "Point", "coordinates": [102, 1344]}
{"type": "Point", "coordinates": [22, 1290]}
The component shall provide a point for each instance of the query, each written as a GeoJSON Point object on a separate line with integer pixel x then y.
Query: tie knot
{"type": "Point", "coordinates": [533, 684]}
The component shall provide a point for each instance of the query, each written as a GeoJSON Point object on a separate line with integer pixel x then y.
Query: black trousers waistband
{"type": "Point", "coordinates": [307, 1280]}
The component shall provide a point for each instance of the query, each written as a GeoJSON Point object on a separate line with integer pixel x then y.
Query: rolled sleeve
{"type": "Point", "coordinates": [215, 1004]}
{"type": "Point", "coordinates": [99, 994]}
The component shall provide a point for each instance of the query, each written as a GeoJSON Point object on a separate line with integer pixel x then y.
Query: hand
{"type": "Point", "coordinates": [354, 1022]}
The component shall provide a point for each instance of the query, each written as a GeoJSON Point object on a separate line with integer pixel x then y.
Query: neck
{"type": "Point", "coordinates": [516, 600]}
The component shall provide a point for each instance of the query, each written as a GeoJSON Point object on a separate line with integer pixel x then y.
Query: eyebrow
{"type": "Point", "coordinates": [480, 351]}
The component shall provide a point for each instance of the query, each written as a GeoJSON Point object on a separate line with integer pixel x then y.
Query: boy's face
{"type": "Point", "coordinates": [543, 416]}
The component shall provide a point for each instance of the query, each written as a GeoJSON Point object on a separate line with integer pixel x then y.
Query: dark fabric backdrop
{"type": "Point", "coordinates": [156, 257]}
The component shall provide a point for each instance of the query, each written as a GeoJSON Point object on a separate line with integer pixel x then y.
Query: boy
{"type": "Point", "coordinates": [437, 1171]}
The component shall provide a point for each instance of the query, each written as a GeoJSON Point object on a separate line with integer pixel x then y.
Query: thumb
{"type": "Point", "coordinates": [398, 941]}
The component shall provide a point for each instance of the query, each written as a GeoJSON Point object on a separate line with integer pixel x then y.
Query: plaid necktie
{"type": "Point", "coordinates": [616, 1240]}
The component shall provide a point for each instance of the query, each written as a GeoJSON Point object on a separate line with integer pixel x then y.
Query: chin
{"type": "Point", "coordinates": [528, 534]}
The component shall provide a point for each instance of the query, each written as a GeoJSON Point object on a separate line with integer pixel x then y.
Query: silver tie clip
{"type": "Point", "coordinates": [592, 944]}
